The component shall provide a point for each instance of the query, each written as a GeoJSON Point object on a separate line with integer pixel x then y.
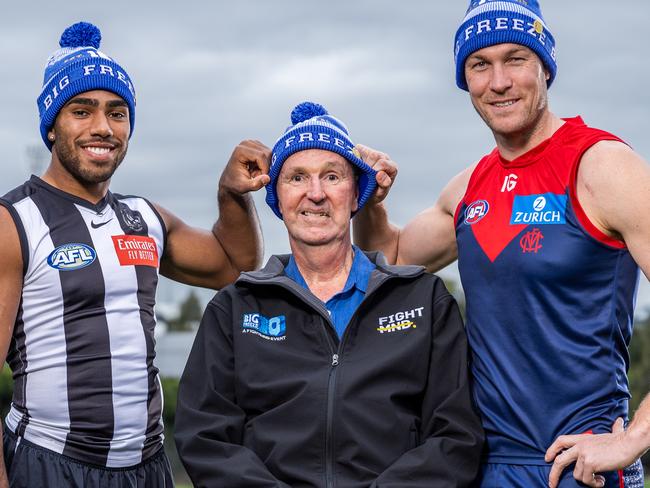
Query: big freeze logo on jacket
{"type": "Point", "coordinates": [69, 257]}
{"type": "Point", "coordinates": [270, 328]}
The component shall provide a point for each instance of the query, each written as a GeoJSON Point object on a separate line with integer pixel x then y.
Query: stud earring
{"type": "Point", "coordinates": [50, 137]}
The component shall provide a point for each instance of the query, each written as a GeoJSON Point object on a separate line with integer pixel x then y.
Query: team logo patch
{"type": "Point", "coordinates": [399, 321]}
{"type": "Point", "coordinates": [476, 211]}
{"type": "Point", "coordinates": [131, 218]}
{"type": "Point", "coordinates": [136, 250]}
{"type": "Point", "coordinates": [548, 208]}
{"type": "Point", "coordinates": [69, 257]}
{"type": "Point", "coordinates": [269, 328]}
{"type": "Point", "coordinates": [530, 241]}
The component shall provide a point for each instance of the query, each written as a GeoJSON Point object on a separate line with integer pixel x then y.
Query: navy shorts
{"type": "Point", "coordinates": [32, 466]}
{"type": "Point", "coordinates": [532, 476]}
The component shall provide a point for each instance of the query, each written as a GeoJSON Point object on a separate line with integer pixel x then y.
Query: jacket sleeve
{"type": "Point", "coordinates": [451, 436]}
{"type": "Point", "coordinates": [209, 423]}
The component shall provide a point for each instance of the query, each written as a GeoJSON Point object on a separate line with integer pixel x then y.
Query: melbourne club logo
{"type": "Point", "coordinates": [531, 241]}
{"type": "Point", "coordinates": [476, 211]}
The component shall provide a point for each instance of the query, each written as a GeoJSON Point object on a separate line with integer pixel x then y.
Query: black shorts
{"type": "Point", "coordinates": [32, 466]}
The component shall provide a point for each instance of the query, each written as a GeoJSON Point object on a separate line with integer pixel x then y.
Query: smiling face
{"type": "Point", "coordinates": [91, 134]}
{"type": "Point", "coordinates": [317, 193]}
{"type": "Point", "coordinates": [507, 85]}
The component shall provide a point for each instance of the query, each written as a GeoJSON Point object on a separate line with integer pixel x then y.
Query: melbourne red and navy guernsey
{"type": "Point", "coordinates": [550, 300]}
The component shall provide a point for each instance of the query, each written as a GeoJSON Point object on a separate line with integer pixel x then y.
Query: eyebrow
{"type": "Point", "coordinates": [95, 103]}
{"type": "Point", "coordinates": [514, 50]}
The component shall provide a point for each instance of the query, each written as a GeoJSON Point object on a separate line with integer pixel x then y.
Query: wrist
{"type": "Point", "coordinates": [637, 438]}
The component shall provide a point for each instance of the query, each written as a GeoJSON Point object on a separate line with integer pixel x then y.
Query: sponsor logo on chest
{"type": "Point", "coordinates": [269, 328]}
{"type": "Point", "coordinates": [547, 208]}
{"type": "Point", "coordinates": [69, 257]}
{"type": "Point", "coordinates": [399, 321]}
{"type": "Point", "coordinates": [136, 250]}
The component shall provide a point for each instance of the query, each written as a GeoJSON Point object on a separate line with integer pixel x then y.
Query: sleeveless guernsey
{"type": "Point", "coordinates": [82, 350]}
{"type": "Point", "coordinates": [550, 300]}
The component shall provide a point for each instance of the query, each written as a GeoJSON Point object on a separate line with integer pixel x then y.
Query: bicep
{"type": "Point", "coordinates": [194, 256]}
{"type": "Point", "coordinates": [613, 187]}
{"type": "Point", "coordinates": [11, 279]}
{"type": "Point", "coordinates": [428, 240]}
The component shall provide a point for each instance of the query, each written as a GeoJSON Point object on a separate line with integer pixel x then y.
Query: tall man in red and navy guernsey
{"type": "Point", "coordinates": [78, 273]}
{"type": "Point", "coordinates": [549, 237]}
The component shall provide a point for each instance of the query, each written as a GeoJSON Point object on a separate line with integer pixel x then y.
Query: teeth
{"type": "Point", "coordinates": [319, 214]}
{"type": "Point", "coordinates": [504, 104]}
{"type": "Point", "coordinates": [98, 150]}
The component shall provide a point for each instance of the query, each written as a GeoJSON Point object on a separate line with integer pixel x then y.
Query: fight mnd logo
{"type": "Point", "coordinates": [548, 208]}
{"type": "Point", "coordinates": [272, 328]}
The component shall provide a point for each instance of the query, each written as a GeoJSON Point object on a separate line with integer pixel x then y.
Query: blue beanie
{"type": "Point", "coordinates": [314, 128]}
{"type": "Point", "coordinates": [79, 66]}
{"type": "Point", "coordinates": [490, 22]}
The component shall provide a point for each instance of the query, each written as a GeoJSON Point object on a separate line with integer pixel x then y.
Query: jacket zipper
{"type": "Point", "coordinates": [331, 387]}
{"type": "Point", "coordinates": [329, 447]}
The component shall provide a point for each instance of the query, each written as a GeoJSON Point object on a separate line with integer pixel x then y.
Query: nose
{"type": "Point", "coordinates": [101, 125]}
{"type": "Point", "coordinates": [315, 191]}
{"type": "Point", "coordinates": [501, 80]}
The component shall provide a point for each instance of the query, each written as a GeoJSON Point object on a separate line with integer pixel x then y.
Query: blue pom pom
{"type": "Point", "coordinates": [81, 34]}
{"type": "Point", "coordinates": [306, 110]}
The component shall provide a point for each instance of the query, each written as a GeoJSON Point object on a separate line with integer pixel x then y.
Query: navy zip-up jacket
{"type": "Point", "coordinates": [271, 398]}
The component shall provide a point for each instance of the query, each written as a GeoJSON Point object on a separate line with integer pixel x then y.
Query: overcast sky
{"type": "Point", "coordinates": [209, 74]}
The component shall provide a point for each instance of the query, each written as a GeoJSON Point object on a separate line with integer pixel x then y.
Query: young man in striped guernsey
{"type": "Point", "coordinates": [549, 230]}
{"type": "Point", "coordinates": [78, 273]}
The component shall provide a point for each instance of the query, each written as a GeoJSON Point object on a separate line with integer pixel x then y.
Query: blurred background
{"type": "Point", "coordinates": [209, 74]}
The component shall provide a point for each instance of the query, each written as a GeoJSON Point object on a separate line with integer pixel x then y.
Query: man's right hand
{"type": "Point", "coordinates": [386, 171]}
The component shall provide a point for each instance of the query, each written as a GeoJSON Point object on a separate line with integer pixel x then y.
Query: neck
{"type": "Point", "coordinates": [324, 268]}
{"type": "Point", "coordinates": [513, 145]}
{"type": "Point", "coordinates": [58, 177]}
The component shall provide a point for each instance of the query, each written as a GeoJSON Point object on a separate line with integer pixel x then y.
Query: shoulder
{"type": "Point", "coordinates": [608, 165]}
{"type": "Point", "coordinates": [612, 183]}
{"type": "Point", "coordinates": [455, 190]}
{"type": "Point", "coordinates": [453, 193]}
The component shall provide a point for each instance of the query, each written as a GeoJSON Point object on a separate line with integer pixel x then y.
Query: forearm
{"type": "Point", "coordinates": [638, 432]}
{"type": "Point", "coordinates": [374, 232]}
{"type": "Point", "coordinates": [238, 230]}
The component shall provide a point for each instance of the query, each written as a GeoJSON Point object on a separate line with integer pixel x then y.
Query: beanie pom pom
{"type": "Point", "coordinates": [305, 111]}
{"type": "Point", "coordinates": [81, 34]}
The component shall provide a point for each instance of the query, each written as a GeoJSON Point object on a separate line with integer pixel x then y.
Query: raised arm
{"type": "Point", "coordinates": [428, 240]}
{"type": "Point", "coordinates": [613, 185]}
{"type": "Point", "coordinates": [215, 258]}
{"type": "Point", "coordinates": [11, 282]}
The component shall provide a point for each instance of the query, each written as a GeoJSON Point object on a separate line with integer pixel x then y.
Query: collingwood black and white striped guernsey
{"type": "Point", "coordinates": [82, 350]}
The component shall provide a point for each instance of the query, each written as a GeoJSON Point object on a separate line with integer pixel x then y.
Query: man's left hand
{"type": "Point", "coordinates": [592, 454]}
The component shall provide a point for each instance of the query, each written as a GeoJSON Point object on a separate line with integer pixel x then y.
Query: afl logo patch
{"type": "Point", "coordinates": [69, 257]}
{"type": "Point", "coordinates": [476, 211]}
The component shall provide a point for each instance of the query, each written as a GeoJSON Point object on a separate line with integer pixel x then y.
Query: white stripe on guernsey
{"type": "Point", "coordinates": [507, 6]}
{"type": "Point", "coordinates": [46, 391]}
{"type": "Point", "coordinates": [128, 346]}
